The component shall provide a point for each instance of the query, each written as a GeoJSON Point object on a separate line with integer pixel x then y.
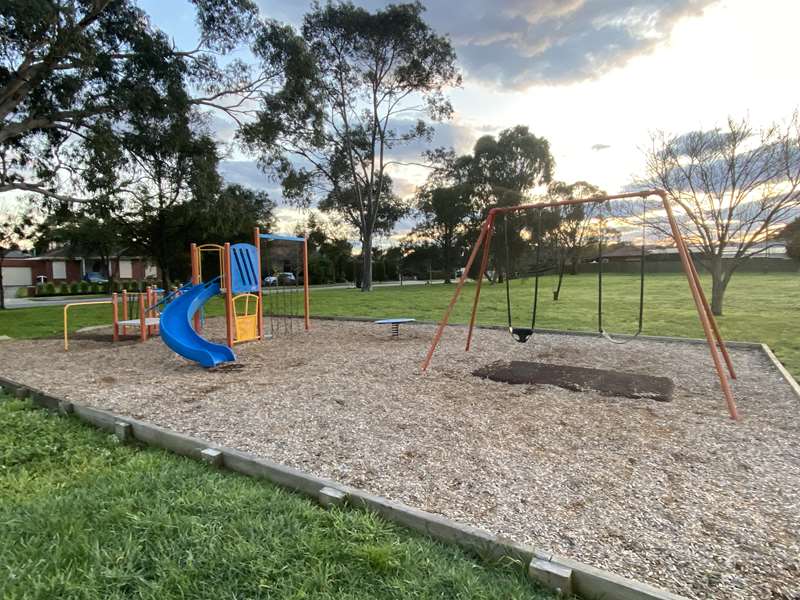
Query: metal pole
{"type": "Point", "coordinates": [704, 320]}
{"type": "Point", "coordinates": [484, 262]}
{"type": "Point", "coordinates": [195, 259]}
{"type": "Point", "coordinates": [717, 334]}
{"type": "Point", "coordinates": [306, 297]}
{"type": "Point", "coordinates": [115, 315]}
{"type": "Point", "coordinates": [260, 301]}
{"type": "Point", "coordinates": [229, 313]}
{"type": "Point", "coordinates": [456, 293]}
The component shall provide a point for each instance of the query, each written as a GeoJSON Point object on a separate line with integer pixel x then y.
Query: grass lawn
{"type": "Point", "coordinates": [83, 517]}
{"type": "Point", "coordinates": [758, 307]}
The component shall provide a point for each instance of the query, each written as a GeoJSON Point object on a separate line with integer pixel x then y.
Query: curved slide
{"type": "Point", "coordinates": [178, 333]}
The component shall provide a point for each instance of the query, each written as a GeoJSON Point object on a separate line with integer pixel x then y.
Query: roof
{"type": "Point", "coordinates": [77, 253]}
{"type": "Point", "coordinates": [16, 254]}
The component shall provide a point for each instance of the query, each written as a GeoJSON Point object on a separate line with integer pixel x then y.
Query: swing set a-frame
{"type": "Point", "coordinates": [716, 344]}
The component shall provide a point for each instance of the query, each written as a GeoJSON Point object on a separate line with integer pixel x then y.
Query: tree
{"type": "Point", "coordinates": [730, 186]}
{"type": "Point", "coordinates": [88, 229]}
{"type": "Point", "coordinates": [445, 203]}
{"type": "Point", "coordinates": [329, 131]}
{"type": "Point", "coordinates": [572, 227]}
{"type": "Point", "coordinates": [791, 235]}
{"type": "Point", "coordinates": [14, 227]}
{"type": "Point", "coordinates": [504, 172]}
{"type": "Point", "coordinates": [83, 69]}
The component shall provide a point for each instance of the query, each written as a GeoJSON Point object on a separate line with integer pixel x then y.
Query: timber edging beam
{"type": "Point", "coordinates": [544, 568]}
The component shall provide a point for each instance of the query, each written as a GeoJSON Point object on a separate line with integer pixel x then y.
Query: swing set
{"type": "Point", "coordinates": [716, 344]}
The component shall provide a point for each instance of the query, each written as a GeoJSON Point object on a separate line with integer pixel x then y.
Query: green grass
{"type": "Point", "coordinates": [83, 517]}
{"type": "Point", "coordinates": [761, 308]}
{"type": "Point", "coordinates": [758, 307]}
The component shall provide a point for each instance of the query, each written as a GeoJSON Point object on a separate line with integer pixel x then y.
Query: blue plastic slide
{"type": "Point", "coordinates": [178, 333]}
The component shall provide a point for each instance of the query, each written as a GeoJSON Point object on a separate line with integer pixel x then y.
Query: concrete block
{"type": "Point", "coordinates": [123, 431]}
{"type": "Point", "coordinates": [211, 456]}
{"type": "Point", "coordinates": [551, 575]}
{"type": "Point", "coordinates": [65, 407]}
{"type": "Point", "coordinates": [329, 496]}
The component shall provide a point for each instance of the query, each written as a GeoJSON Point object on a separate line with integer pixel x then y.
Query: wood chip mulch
{"type": "Point", "coordinates": [671, 493]}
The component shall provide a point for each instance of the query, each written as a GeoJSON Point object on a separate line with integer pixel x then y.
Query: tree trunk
{"type": "Point", "coordinates": [447, 270]}
{"type": "Point", "coordinates": [366, 265]}
{"type": "Point", "coordinates": [719, 282]}
{"type": "Point", "coordinates": [557, 291]}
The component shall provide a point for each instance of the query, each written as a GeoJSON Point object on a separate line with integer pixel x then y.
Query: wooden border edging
{"type": "Point", "coordinates": [782, 370]}
{"type": "Point", "coordinates": [584, 580]}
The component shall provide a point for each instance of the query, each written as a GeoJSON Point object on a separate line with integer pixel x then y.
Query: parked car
{"type": "Point", "coordinates": [95, 277]}
{"type": "Point", "coordinates": [286, 278]}
{"type": "Point", "coordinates": [270, 280]}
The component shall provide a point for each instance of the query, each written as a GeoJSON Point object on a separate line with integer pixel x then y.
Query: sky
{"type": "Point", "coordinates": [594, 77]}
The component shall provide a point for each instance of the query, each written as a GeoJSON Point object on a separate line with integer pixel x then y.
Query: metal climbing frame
{"type": "Point", "coordinates": [716, 344]}
{"type": "Point", "coordinates": [257, 237]}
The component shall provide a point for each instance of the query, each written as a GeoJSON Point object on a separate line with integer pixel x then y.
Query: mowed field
{"type": "Point", "coordinates": [758, 307]}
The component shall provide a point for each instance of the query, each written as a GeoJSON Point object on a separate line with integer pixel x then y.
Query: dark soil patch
{"type": "Point", "coordinates": [608, 383]}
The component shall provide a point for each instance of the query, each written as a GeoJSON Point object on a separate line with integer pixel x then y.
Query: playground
{"type": "Point", "coordinates": [669, 461]}
{"type": "Point", "coordinates": [675, 493]}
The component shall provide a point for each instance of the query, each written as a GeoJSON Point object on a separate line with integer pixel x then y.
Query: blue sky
{"type": "Point", "coordinates": [593, 76]}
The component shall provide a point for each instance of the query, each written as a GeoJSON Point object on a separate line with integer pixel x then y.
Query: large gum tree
{"type": "Point", "coordinates": [371, 83]}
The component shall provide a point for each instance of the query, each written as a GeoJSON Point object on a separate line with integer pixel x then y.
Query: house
{"type": "Point", "coordinates": [68, 264]}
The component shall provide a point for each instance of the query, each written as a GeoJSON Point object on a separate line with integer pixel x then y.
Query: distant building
{"type": "Point", "coordinates": [65, 265]}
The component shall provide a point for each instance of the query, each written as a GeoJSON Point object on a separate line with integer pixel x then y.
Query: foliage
{"type": "Point", "coordinates": [14, 227]}
{"type": "Point", "coordinates": [791, 235]}
{"type": "Point", "coordinates": [355, 81]}
{"type": "Point", "coordinates": [78, 74]}
{"type": "Point", "coordinates": [118, 521]}
{"type": "Point", "coordinates": [730, 186]}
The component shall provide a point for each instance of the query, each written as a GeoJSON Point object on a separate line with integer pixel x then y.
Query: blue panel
{"type": "Point", "coordinates": [283, 238]}
{"type": "Point", "coordinates": [244, 268]}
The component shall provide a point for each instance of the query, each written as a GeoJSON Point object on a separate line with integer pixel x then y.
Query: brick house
{"type": "Point", "coordinates": [65, 265]}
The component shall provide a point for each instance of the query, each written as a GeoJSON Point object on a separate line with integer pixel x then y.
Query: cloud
{"type": "Point", "coordinates": [519, 43]}
{"type": "Point", "coordinates": [247, 173]}
{"type": "Point", "coordinates": [600, 147]}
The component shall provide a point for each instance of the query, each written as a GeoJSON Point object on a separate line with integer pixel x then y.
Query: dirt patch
{"type": "Point", "coordinates": [579, 379]}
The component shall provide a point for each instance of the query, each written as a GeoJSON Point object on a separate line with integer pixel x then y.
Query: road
{"type": "Point", "coordinates": [62, 300]}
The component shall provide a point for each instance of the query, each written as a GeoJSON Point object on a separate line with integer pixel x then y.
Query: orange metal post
{"type": "Point", "coordinates": [142, 319]}
{"type": "Point", "coordinates": [259, 302]}
{"type": "Point", "coordinates": [306, 299]}
{"type": "Point", "coordinates": [115, 316]}
{"type": "Point", "coordinates": [701, 311]}
{"type": "Point", "coordinates": [229, 315]}
{"type": "Point", "coordinates": [195, 258]}
{"type": "Point", "coordinates": [712, 319]}
{"type": "Point", "coordinates": [124, 311]}
{"type": "Point", "coordinates": [446, 317]}
{"type": "Point", "coordinates": [487, 245]}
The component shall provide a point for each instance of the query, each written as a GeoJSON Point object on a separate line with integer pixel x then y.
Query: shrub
{"type": "Point", "coordinates": [40, 289]}
{"type": "Point", "coordinates": [21, 293]}
{"type": "Point", "coordinates": [95, 288]}
{"type": "Point", "coordinates": [133, 286]}
{"type": "Point", "coordinates": [84, 287]}
{"type": "Point", "coordinates": [49, 289]}
{"type": "Point", "coordinates": [74, 287]}
{"type": "Point", "coordinates": [63, 288]}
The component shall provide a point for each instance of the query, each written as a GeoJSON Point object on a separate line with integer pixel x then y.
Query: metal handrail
{"type": "Point", "coordinates": [70, 305]}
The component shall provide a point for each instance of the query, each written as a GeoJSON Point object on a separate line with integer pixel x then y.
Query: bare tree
{"type": "Point", "coordinates": [730, 187]}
